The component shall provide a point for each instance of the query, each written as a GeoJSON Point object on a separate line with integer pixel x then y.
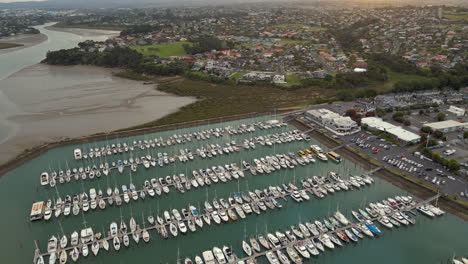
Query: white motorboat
{"type": "Point", "coordinates": [84, 250]}
{"type": "Point", "coordinates": [219, 255]}
{"type": "Point", "coordinates": [116, 243]}
{"type": "Point", "coordinates": [145, 235]}
{"type": "Point", "coordinates": [74, 254]}
{"type": "Point", "coordinates": [52, 244]}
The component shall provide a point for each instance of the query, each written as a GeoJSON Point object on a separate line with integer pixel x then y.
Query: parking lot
{"type": "Point", "coordinates": [402, 159]}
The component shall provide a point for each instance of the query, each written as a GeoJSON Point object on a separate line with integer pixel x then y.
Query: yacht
{"type": "Point", "coordinates": [272, 258]}
{"type": "Point", "coordinates": [334, 156]}
{"type": "Point", "coordinates": [52, 244]}
{"type": "Point", "coordinates": [116, 243]}
{"type": "Point", "coordinates": [44, 178]}
{"type": "Point", "coordinates": [218, 253]}
{"type": "Point", "coordinates": [74, 254]}
{"type": "Point", "coordinates": [246, 247]}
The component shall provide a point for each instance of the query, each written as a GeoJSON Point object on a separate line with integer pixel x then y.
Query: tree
{"type": "Point", "coordinates": [351, 113]}
{"type": "Point", "coordinates": [441, 116]}
{"type": "Point", "coordinates": [438, 134]}
{"type": "Point", "coordinates": [421, 112]}
{"type": "Point", "coordinates": [465, 135]}
{"type": "Point", "coordinates": [407, 122]}
{"type": "Point", "coordinates": [427, 130]}
{"type": "Point", "coordinates": [344, 95]}
{"type": "Point", "coordinates": [453, 165]}
{"type": "Point", "coordinates": [380, 112]}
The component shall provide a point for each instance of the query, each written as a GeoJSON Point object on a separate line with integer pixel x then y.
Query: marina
{"type": "Point", "coordinates": [33, 237]}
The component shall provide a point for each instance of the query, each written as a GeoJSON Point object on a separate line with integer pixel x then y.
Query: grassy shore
{"type": "Point", "coordinates": [216, 100]}
{"type": "Point", "coordinates": [9, 45]}
{"type": "Point", "coordinates": [132, 76]}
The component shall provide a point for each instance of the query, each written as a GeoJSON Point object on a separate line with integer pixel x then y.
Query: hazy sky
{"type": "Point", "coordinates": [10, 1]}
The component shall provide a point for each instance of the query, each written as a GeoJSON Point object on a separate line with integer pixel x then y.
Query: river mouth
{"type": "Point", "coordinates": [41, 103]}
{"type": "Point", "coordinates": [49, 103]}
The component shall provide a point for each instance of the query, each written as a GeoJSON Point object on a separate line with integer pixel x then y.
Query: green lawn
{"type": "Point", "coordinates": [315, 29]}
{"type": "Point", "coordinates": [291, 80]}
{"type": "Point", "coordinates": [292, 41]}
{"type": "Point", "coordinates": [457, 16]}
{"type": "Point", "coordinates": [236, 76]}
{"type": "Point", "coordinates": [289, 26]}
{"type": "Point", "coordinates": [89, 26]}
{"type": "Point", "coordinates": [164, 50]}
{"type": "Point", "coordinates": [394, 77]}
{"type": "Point", "coordinates": [5, 45]}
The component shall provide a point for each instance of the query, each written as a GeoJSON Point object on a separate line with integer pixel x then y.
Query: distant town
{"type": "Point", "coordinates": [261, 44]}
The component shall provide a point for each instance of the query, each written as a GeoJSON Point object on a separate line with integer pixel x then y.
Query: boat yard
{"type": "Point", "coordinates": [147, 159]}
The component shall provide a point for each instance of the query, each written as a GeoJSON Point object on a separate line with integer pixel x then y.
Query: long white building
{"type": "Point", "coordinates": [398, 132]}
{"type": "Point", "coordinates": [340, 125]}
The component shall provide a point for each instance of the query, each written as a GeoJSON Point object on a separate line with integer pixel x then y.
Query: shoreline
{"type": "Point", "coordinates": [63, 98]}
{"type": "Point", "coordinates": [389, 175]}
{"type": "Point", "coordinates": [33, 152]}
{"type": "Point", "coordinates": [25, 40]}
{"type": "Point", "coordinates": [84, 32]}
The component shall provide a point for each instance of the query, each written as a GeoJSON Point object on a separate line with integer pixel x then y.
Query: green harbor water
{"type": "Point", "coordinates": [429, 241]}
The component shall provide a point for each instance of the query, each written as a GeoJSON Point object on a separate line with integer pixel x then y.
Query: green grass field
{"type": "Point", "coordinates": [394, 77]}
{"type": "Point", "coordinates": [5, 45]}
{"type": "Point", "coordinates": [164, 50]}
{"type": "Point", "coordinates": [315, 29]}
{"type": "Point", "coordinates": [289, 26]}
{"type": "Point", "coordinates": [89, 26]}
{"type": "Point", "coordinates": [457, 17]}
{"type": "Point", "coordinates": [292, 41]}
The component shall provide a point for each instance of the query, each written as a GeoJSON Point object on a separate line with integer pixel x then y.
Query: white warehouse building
{"type": "Point", "coordinates": [456, 110]}
{"type": "Point", "coordinates": [447, 125]}
{"type": "Point", "coordinates": [398, 132]}
{"type": "Point", "coordinates": [340, 125]}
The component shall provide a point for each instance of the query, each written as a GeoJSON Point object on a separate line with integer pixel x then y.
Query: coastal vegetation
{"type": "Point", "coordinates": [6, 45]}
{"type": "Point", "coordinates": [88, 26]}
{"type": "Point", "coordinates": [217, 100]}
